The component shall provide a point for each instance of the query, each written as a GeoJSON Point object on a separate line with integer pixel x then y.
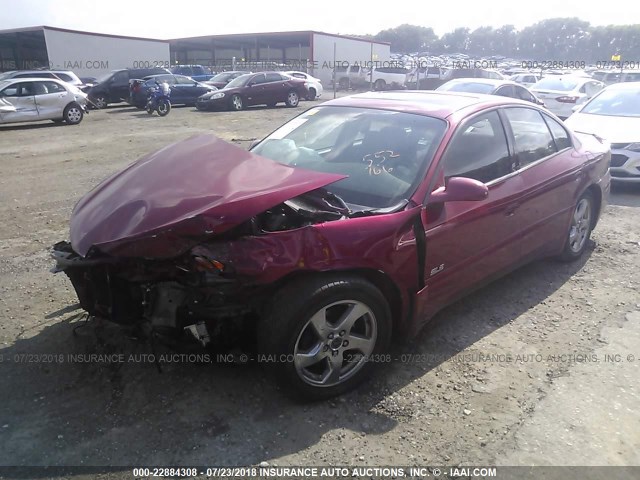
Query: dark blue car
{"type": "Point", "coordinates": [184, 90]}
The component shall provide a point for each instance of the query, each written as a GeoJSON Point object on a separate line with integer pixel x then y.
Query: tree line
{"type": "Point", "coordinates": [567, 39]}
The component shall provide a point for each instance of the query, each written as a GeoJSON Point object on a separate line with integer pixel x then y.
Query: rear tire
{"type": "Point", "coordinates": [320, 334]}
{"type": "Point", "coordinates": [164, 107]}
{"type": "Point", "coordinates": [379, 85]}
{"type": "Point", "coordinates": [73, 114]}
{"type": "Point", "coordinates": [579, 228]}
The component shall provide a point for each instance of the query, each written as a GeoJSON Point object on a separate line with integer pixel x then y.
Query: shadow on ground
{"type": "Point", "coordinates": [61, 412]}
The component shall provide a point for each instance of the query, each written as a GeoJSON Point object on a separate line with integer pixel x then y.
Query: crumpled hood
{"type": "Point", "coordinates": [170, 200]}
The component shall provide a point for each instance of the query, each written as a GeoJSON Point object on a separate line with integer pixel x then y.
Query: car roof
{"type": "Point", "coordinates": [34, 79]}
{"type": "Point", "coordinates": [496, 82]}
{"type": "Point", "coordinates": [440, 104]}
{"type": "Point", "coordinates": [624, 86]}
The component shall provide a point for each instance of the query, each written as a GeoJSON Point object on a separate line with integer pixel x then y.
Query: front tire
{"type": "Point", "coordinates": [320, 334]}
{"type": "Point", "coordinates": [580, 228]}
{"type": "Point", "coordinates": [379, 85]}
{"type": "Point", "coordinates": [293, 99]}
{"type": "Point", "coordinates": [73, 114]}
{"type": "Point", "coordinates": [100, 101]}
{"type": "Point", "coordinates": [312, 94]}
{"type": "Point", "coordinates": [236, 103]}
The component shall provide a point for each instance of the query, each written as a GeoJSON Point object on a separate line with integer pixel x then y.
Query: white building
{"type": "Point", "coordinates": [87, 54]}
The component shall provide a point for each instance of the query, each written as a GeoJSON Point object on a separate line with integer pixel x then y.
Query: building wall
{"type": "Point", "coordinates": [347, 51]}
{"type": "Point", "coordinates": [95, 55]}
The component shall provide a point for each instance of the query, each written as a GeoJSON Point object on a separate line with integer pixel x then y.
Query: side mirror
{"type": "Point", "coordinates": [460, 189]}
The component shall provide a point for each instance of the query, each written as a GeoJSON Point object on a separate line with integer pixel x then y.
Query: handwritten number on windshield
{"type": "Point", "coordinates": [375, 161]}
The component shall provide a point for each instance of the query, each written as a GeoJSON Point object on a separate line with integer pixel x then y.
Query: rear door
{"type": "Point", "coordinates": [550, 173]}
{"type": "Point", "coordinates": [468, 242]}
{"type": "Point", "coordinates": [17, 103]}
{"type": "Point", "coordinates": [51, 99]}
{"type": "Point", "coordinates": [275, 88]}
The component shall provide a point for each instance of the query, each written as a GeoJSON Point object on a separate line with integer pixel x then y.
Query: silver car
{"type": "Point", "coordinates": [33, 99]}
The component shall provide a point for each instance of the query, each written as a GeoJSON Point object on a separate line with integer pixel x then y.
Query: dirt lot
{"type": "Point", "coordinates": [515, 374]}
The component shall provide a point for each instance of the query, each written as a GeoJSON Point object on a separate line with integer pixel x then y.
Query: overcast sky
{"type": "Point", "coordinates": [183, 18]}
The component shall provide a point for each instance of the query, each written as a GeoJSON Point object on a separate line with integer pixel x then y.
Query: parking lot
{"type": "Point", "coordinates": [540, 367]}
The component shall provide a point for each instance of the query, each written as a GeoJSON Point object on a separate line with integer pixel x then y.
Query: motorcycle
{"type": "Point", "coordinates": [159, 99]}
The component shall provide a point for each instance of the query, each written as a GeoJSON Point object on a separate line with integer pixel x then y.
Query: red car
{"type": "Point", "coordinates": [358, 218]}
{"type": "Point", "coordinates": [263, 88]}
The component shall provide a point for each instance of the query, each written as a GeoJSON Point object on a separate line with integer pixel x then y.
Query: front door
{"type": "Point", "coordinates": [17, 103]}
{"type": "Point", "coordinates": [468, 242]}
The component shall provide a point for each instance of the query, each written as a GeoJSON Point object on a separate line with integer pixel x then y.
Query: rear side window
{"type": "Point", "coordinates": [523, 94]}
{"type": "Point", "coordinates": [560, 135]}
{"type": "Point", "coordinates": [506, 91]}
{"type": "Point", "coordinates": [479, 150]}
{"type": "Point", "coordinates": [274, 77]}
{"type": "Point", "coordinates": [533, 139]}
{"type": "Point", "coordinates": [120, 77]}
{"type": "Point", "coordinates": [258, 79]}
{"type": "Point", "coordinates": [53, 87]}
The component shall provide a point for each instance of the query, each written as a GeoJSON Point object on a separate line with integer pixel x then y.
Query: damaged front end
{"type": "Point", "coordinates": [206, 291]}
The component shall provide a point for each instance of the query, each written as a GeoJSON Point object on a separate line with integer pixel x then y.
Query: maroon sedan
{"type": "Point", "coordinates": [361, 217]}
{"type": "Point", "coordinates": [264, 88]}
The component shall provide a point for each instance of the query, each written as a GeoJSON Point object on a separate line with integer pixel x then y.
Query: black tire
{"type": "Point", "coordinates": [73, 114]}
{"type": "Point", "coordinates": [379, 85]}
{"type": "Point", "coordinates": [293, 99]}
{"type": "Point", "coordinates": [579, 228]}
{"type": "Point", "coordinates": [344, 83]}
{"type": "Point", "coordinates": [100, 101]}
{"type": "Point", "coordinates": [312, 94]}
{"type": "Point", "coordinates": [286, 329]}
{"type": "Point", "coordinates": [164, 107]}
{"type": "Point", "coordinates": [236, 103]}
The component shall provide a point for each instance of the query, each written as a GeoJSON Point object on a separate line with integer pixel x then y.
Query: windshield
{"type": "Point", "coordinates": [557, 83]}
{"type": "Point", "coordinates": [471, 87]}
{"type": "Point", "coordinates": [105, 77]}
{"type": "Point", "coordinates": [622, 103]}
{"type": "Point", "coordinates": [6, 75]}
{"type": "Point", "coordinates": [239, 81]}
{"type": "Point", "coordinates": [384, 153]}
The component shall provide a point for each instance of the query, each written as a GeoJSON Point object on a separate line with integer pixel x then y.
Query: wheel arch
{"type": "Point", "coordinates": [378, 279]}
{"type": "Point", "coordinates": [596, 193]}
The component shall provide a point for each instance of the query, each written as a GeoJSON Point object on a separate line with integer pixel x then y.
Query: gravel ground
{"type": "Point", "coordinates": [534, 369]}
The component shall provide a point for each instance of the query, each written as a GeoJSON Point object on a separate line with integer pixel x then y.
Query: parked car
{"type": "Point", "coordinates": [222, 79]}
{"type": "Point", "coordinates": [614, 114]}
{"type": "Point", "coordinates": [561, 93]}
{"type": "Point", "coordinates": [315, 85]}
{"type": "Point", "coordinates": [526, 79]}
{"type": "Point", "coordinates": [504, 88]}
{"type": "Point", "coordinates": [381, 78]}
{"type": "Point", "coordinates": [184, 90]}
{"type": "Point", "coordinates": [65, 75]}
{"type": "Point", "coordinates": [114, 86]}
{"type": "Point", "coordinates": [197, 72]}
{"type": "Point", "coordinates": [264, 88]}
{"type": "Point", "coordinates": [358, 219]}
{"type": "Point", "coordinates": [33, 99]}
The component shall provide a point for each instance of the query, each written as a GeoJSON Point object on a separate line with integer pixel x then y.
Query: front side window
{"type": "Point", "coordinates": [506, 91]}
{"type": "Point", "coordinates": [121, 77]}
{"type": "Point", "coordinates": [258, 79]}
{"type": "Point", "coordinates": [384, 153]}
{"type": "Point", "coordinates": [479, 150]}
{"type": "Point", "coordinates": [533, 140]}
